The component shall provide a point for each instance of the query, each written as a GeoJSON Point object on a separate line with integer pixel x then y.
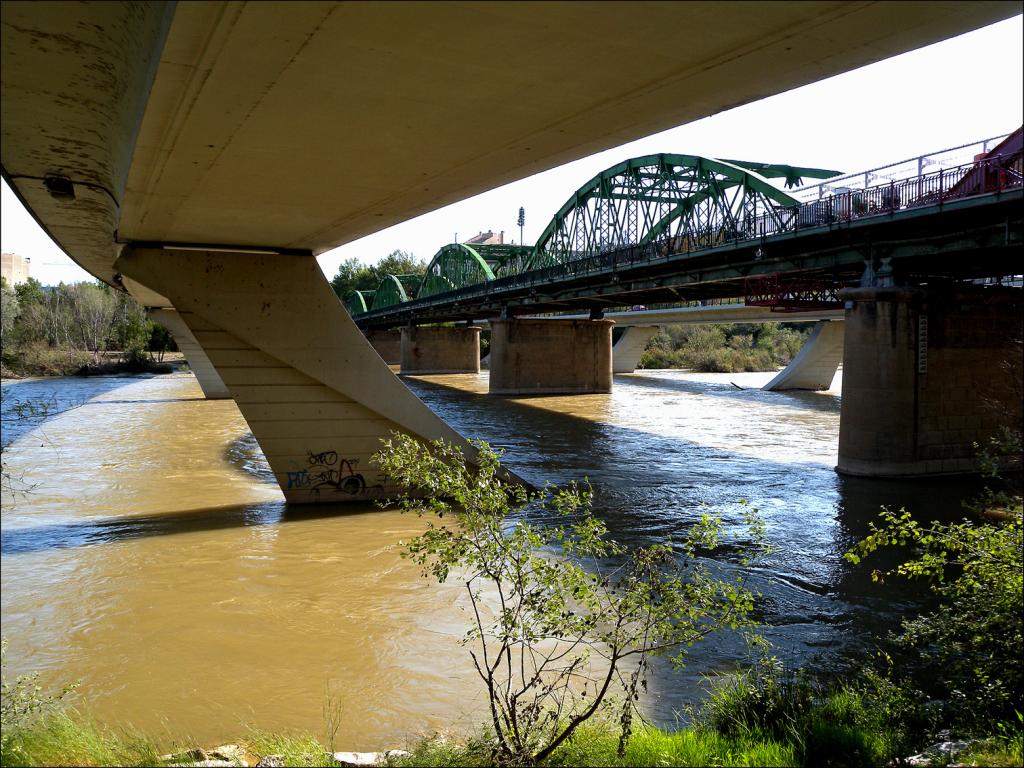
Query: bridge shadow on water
{"type": "Point", "coordinates": [120, 528]}
{"type": "Point", "coordinates": [648, 487]}
{"type": "Point", "coordinates": [656, 478]}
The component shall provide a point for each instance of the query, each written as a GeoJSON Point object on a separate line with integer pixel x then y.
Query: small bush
{"type": "Point", "coordinates": [867, 722]}
{"type": "Point", "coordinates": [42, 360]}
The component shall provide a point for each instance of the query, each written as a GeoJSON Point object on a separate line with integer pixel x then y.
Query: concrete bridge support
{"type": "Point", "coordinates": [209, 380]}
{"type": "Point", "coordinates": [317, 397]}
{"type": "Point", "coordinates": [440, 350]}
{"type": "Point", "coordinates": [387, 344]}
{"type": "Point", "coordinates": [628, 350]}
{"type": "Point", "coordinates": [927, 373]}
{"type": "Point", "coordinates": [816, 364]}
{"type": "Point", "coordinates": [533, 357]}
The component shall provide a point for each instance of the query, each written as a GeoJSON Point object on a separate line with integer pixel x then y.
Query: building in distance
{"type": "Point", "coordinates": [487, 238]}
{"type": "Point", "coordinates": [14, 268]}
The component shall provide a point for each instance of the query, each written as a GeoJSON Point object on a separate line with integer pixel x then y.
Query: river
{"type": "Point", "coordinates": [148, 555]}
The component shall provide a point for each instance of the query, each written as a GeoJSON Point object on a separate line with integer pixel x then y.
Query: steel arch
{"type": "Point", "coordinates": [358, 302]}
{"type": "Point", "coordinates": [689, 200]}
{"type": "Point", "coordinates": [395, 289]}
{"type": "Point", "coordinates": [454, 266]}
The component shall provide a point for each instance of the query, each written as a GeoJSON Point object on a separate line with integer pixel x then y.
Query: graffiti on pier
{"type": "Point", "coordinates": [326, 471]}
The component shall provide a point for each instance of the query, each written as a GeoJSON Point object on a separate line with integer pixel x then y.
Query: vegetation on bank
{"type": "Point", "coordinates": [725, 348]}
{"type": "Point", "coordinates": [565, 620]}
{"type": "Point", "coordinates": [84, 328]}
{"type": "Point", "coordinates": [952, 673]}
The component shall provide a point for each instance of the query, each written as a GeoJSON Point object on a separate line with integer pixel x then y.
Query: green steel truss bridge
{"type": "Point", "coordinates": [677, 228]}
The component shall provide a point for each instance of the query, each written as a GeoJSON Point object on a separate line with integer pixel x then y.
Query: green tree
{"type": "Point", "coordinates": [353, 275]}
{"type": "Point", "coordinates": [29, 292]}
{"type": "Point", "coordinates": [562, 616]}
{"type": "Point", "coordinates": [160, 341]}
{"type": "Point", "coordinates": [132, 328]}
{"type": "Point", "coordinates": [400, 262]}
{"type": "Point", "coordinates": [10, 308]}
{"type": "Point", "coordinates": [93, 307]}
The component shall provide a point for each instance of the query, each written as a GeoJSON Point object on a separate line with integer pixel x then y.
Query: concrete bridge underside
{"type": "Point", "coordinates": [200, 154]}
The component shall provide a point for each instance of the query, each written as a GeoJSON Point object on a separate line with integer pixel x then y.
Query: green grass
{"type": "Point", "coordinates": [297, 749]}
{"type": "Point", "coordinates": [1007, 749]}
{"type": "Point", "coordinates": [598, 745]}
{"type": "Point", "coordinates": [65, 738]}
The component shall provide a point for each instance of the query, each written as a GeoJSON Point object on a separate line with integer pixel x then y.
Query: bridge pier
{"type": "Point", "coordinates": [440, 350]}
{"type": "Point", "coordinates": [534, 357]}
{"type": "Point", "coordinates": [209, 380]}
{"type": "Point", "coordinates": [316, 396]}
{"type": "Point", "coordinates": [926, 374]}
{"type": "Point", "coordinates": [387, 344]}
{"type": "Point", "coordinates": [816, 364]}
{"type": "Point", "coordinates": [628, 350]}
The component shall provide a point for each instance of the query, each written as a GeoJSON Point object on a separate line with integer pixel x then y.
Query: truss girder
{"type": "Point", "coordinates": [454, 266]}
{"type": "Point", "coordinates": [395, 289]}
{"type": "Point", "coordinates": [359, 301]}
{"type": "Point", "coordinates": [682, 198]}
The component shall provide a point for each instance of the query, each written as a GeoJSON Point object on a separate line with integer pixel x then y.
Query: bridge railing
{"type": "Point", "coordinates": [986, 176]}
{"type": "Point", "coordinates": [914, 167]}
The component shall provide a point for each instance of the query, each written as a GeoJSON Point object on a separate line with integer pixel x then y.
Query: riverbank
{"type": "Point", "coordinates": [827, 736]}
{"type": "Point", "coordinates": [64, 362]}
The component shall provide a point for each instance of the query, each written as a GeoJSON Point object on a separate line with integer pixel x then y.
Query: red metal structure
{"type": "Point", "coordinates": [791, 294]}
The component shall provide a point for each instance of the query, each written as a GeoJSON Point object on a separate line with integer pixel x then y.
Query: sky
{"type": "Point", "coordinates": [954, 92]}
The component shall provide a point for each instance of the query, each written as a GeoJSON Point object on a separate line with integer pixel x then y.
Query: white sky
{"type": "Point", "coordinates": [951, 93]}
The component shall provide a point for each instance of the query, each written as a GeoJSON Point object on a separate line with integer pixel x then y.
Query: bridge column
{"type": "Point", "coordinates": [387, 344]}
{"type": "Point", "coordinates": [816, 364]}
{"type": "Point", "coordinates": [209, 380]}
{"type": "Point", "coordinates": [926, 374]}
{"type": "Point", "coordinates": [440, 350]}
{"type": "Point", "coordinates": [630, 347]}
{"type": "Point", "coordinates": [533, 357]}
{"type": "Point", "coordinates": [317, 397]}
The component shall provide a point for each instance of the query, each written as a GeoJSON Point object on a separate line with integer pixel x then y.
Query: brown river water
{"type": "Point", "coordinates": [147, 554]}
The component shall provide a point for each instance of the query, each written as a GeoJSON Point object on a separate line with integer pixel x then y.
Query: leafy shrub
{"type": "Point", "coordinates": [553, 639]}
{"type": "Point", "coordinates": [969, 647]}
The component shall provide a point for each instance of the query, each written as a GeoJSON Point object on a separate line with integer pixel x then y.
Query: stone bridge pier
{"type": "Point", "coordinates": [927, 374]}
{"type": "Point", "coordinates": [440, 350]}
{"type": "Point", "coordinates": [545, 357]}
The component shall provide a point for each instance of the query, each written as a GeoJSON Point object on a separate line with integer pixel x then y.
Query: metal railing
{"type": "Point", "coordinates": [989, 175]}
{"type": "Point", "coordinates": [913, 167]}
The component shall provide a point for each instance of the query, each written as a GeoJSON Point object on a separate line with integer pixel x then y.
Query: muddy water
{"type": "Point", "coordinates": [154, 560]}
